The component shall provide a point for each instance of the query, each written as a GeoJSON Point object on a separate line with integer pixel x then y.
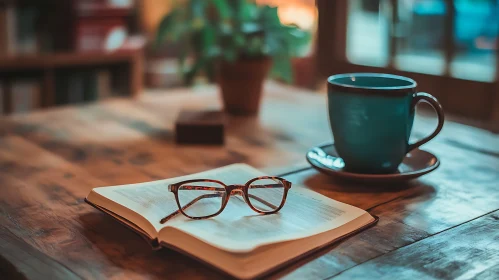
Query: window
{"type": "Point", "coordinates": [449, 46]}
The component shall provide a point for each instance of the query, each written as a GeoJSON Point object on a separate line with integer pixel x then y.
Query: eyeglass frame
{"type": "Point", "coordinates": [228, 189]}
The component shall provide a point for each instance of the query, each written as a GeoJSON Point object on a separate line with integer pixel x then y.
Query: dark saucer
{"type": "Point", "coordinates": [325, 159]}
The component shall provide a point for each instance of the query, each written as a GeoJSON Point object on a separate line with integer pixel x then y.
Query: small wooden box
{"type": "Point", "coordinates": [200, 127]}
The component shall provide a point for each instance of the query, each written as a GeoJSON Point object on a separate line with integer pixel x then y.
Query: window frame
{"type": "Point", "coordinates": [467, 98]}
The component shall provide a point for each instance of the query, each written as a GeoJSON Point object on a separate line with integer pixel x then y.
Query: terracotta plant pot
{"type": "Point", "coordinates": [241, 84]}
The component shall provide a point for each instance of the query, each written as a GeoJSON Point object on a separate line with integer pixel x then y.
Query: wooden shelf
{"type": "Point", "coordinates": [131, 54]}
{"type": "Point", "coordinates": [108, 12]}
{"type": "Point", "coordinates": [47, 61]}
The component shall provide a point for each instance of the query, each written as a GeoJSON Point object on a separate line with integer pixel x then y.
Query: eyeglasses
{"type": "Point", "coordinates": [205, 198]}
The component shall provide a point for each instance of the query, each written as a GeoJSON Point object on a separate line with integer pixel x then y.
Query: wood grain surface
{"type": "Point", "coordinates": [443, 225]}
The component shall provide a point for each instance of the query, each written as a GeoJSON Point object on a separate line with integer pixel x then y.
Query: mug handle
{"type": "Point", "coordinates": [426, 97]}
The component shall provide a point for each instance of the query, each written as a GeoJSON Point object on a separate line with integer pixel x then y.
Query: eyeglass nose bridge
{"type": "Point", "coordinates": [236, 190]}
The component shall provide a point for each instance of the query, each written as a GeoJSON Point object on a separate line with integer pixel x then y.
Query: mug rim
{"type": "Point", "coordinates": [411, 88]}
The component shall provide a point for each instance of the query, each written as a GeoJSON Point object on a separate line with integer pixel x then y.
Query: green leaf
{"type": "Point", "coordinates": [246, 11]}
{"type": "Point", "coordinates": [197, 9]}
{"type": "Point", "coordinates": [223, 9]}
{"type": "Point", "coordinates": [196, 14]}
{"type": "Point", "coordinates": [281, 68]}
{"type": "Point", "coordinates": [225, 28]}
{"type": "Point", "coordinates": [196, 41]}
{"type": "Point", "coordinates": [191, 73]}
{"type": "Point", "coordinates": [166, 26]}
{"type": "Point", "coordinates": [274, 44]}
{"type": "Point", "coordinates": [255, 47]}
{"type": "Point", "coordinates": [181, 59]}
{"type": "Point", "coordinates": [210, 48]}
{"type": "Point", "coordinates": [209, 37]}
{"type": "Point", "coordinates": [239, 40]}
{"type": "Point", "coordinates": [209, 70]}
{"type": "Point", "coordinates": [300, 40]}
{"type": "Point", "coordinates": [251, 28]}
{"type": "Point", "coordinates": [269, 16]}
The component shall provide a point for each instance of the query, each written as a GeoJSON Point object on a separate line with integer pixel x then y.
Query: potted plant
{"type": "Point", "coordinates": [236, 43]}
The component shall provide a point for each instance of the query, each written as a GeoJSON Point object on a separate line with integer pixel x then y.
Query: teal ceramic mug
{"type": "Point", "coordinates": [371, 117]}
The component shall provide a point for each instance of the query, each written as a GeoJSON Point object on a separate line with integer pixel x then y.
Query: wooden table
{"type": "Point", "coordinates": [444, 225]}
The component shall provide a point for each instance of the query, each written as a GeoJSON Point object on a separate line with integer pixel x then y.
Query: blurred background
{"type": "Point", "coordinates": [58, 52]}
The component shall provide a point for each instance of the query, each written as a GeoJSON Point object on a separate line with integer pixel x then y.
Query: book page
{"type": "Point", "coordinates": [153, 201]}
{"type": "Point", "coordinates": [239, 229]}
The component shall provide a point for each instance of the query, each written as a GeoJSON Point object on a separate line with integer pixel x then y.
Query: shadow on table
{"type": "Point", "coordinates": [365, 244]}
{"type": "Point", "coordinates": [367, 195]}
{"type": "Point", "coordinates": [345, 185]}
{"type": "Point", "coordinates": [128, 251]}
{"type": "Point", "coordinates": [9, 271]}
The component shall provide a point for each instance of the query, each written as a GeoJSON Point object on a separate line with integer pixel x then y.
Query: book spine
{"type": "Point", "coordinates": [70, 87]}
{"type": "Point", "coordinates": [62, 27]}
{"type": "Point", "coordinates": [10, 14]}
{"type": "Point", "coordinates": [2, 98]}
{"type": "Point", "coordinates": [104, 89]}
{"type": "Point", "coordinates": [25, 96]}
{"type": "Point", "coordinates": [26, 36]}
{"type": "Point", "coordinates": [76, 90]}
{"type": "Point", "coordinates": [61, 88]}
{"type": "Point", "coordinates": [4, 33]}
{"type": "Point", "coordinates": [119, 81]}
{"type": "Point", "coordinates": [91, 86]}
{"type": "Point", "coordinates": [45, 36]}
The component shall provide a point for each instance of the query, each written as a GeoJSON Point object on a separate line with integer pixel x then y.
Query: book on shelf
{"type": "Point", "coordinates": [76, 87]}
{"type": "Point", "coordinates": [87, 85]}
{"type": "Point", "coordinates": [8, 29]}
{"type": "Point", "coordinates": [29, 27]}
{"type": "Point", "coordinates": [119, 81]}
{"type": "Point", "coordinates": [104, 8]}
{"type": "Point", "coordinates": [102, 34]}
{"type": "Point", "coordinates": [104, 89]}
{"type": "Point", "coordinates": [25, 95]}
{"type": "Point", "coordinates": [238, 241]}
{"type": "Point", "coordinates": [18, 28]}
{"type": "Point", "coordinates": [61, 87]}
{"type": "Point", "coordinates": [4, 30]}
{"type": "Point", "coordinates": [2, 98]}
{"type": "Point", "coordinates": [91, 87]}
{"type": "Point", "coordinates": [26, 36]}
{"type": "Point", "coordinates": [98, 85]}
{"type": "Point", "coordinates": [61, 26]}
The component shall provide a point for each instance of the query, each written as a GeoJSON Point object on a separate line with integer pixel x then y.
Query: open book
{"type": "Point", "coordinates": [238, 241]}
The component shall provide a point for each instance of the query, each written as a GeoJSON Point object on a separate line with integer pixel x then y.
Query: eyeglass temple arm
{"type": "Point", "coordinates": [165, 219]}
{"type": "Point", "coordinates": [261, 200]}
